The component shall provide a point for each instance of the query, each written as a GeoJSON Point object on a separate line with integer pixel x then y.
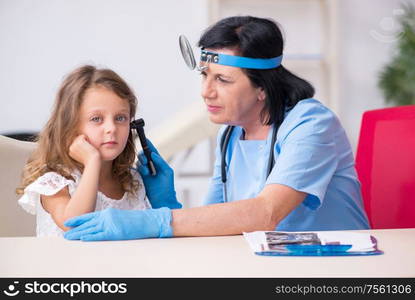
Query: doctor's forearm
{"type": "Point", "coordinates": [224, 219]}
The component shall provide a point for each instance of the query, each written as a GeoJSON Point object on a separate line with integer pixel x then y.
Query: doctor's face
{"type": "Point", "coordinates": [229, 95]}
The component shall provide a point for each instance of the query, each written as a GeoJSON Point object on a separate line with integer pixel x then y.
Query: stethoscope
{"type": "Point", "coordinates": [224, 143]}
{"type": "Point", "coordinates": [234, 61]}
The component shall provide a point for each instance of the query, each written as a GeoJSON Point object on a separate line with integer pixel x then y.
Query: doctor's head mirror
{"type": "Point", "coordinates": [208, 56]}
{"type": "Point", "coordinates": [187, 52]}
{"type": "Point", "coordinates": [188, 55]}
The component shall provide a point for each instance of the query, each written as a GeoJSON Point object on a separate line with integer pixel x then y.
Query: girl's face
{"type": "Point", "coordinates": [105, 120]}
{"type": "Point", "coordinates": [229, 94]}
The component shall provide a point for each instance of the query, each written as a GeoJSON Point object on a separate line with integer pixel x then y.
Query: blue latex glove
{"type": "Point", "coordinates": [119, 224]}
{"type": "Point", "coordinates": [159, 188]}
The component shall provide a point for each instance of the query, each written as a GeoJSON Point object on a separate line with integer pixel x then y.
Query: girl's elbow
{"type": "Point", "coordinates": [61, 221]}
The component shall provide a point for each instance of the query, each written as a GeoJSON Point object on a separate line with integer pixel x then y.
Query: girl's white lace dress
{"type": "Point", "coordinates": [50, 183]}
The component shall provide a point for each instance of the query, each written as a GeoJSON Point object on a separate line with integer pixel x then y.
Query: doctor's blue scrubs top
{"type": "Point", "coordinates": [312, 155]}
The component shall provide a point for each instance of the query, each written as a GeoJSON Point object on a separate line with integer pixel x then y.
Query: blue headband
{"type": "Point", "coordinates": [239, 61]}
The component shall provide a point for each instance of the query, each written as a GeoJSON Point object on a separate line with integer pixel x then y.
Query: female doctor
{"type": "Point", "coordinates": [283, 160]}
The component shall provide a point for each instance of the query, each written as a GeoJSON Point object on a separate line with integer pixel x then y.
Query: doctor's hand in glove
{"type": "Point", "coordinates": [159, 188]}
{"type": "Point", "coordinates": [119, 224]}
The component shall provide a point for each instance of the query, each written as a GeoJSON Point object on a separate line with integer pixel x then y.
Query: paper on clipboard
{"type": "Point", "coordinates": [328, 243]}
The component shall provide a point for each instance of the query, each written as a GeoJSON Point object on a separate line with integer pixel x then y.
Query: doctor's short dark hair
{"type": "Point", "coordinates": [260, 38]}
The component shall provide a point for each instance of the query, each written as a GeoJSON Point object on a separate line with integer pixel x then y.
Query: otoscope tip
{"type": "Point", "coordinates": [137, 123]}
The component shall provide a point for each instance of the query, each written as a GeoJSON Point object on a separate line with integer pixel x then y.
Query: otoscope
{"type": "Point", "coordinates": [139, 126]}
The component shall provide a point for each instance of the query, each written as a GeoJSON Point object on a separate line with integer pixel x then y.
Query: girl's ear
{"type": "Point", "coordinates": [261, 94]}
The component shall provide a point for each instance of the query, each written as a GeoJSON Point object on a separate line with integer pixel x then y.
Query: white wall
{"type": "Point", "coordinates": [42, 40]}
{"type": "Point", "coordinates": [367, 39]}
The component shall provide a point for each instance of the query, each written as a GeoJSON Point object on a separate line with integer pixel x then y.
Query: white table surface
{"type": "Point", "coordinates": [226, 256]}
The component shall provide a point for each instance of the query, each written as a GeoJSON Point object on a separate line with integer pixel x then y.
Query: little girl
{"type": "Point", "coordinates": [85, 153]}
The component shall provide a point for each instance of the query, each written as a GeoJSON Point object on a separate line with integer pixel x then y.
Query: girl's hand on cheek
{"type": "Point", "coordinates": [82, 151]}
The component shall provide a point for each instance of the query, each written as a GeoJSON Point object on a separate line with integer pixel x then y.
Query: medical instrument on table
{"type": "Point", "coordinates": [234, 61]}
{"type": "Point", "coordinates": [139, 126]}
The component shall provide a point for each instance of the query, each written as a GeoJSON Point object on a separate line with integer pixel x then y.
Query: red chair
{"type": "Point", "coordinates": [385, 163]}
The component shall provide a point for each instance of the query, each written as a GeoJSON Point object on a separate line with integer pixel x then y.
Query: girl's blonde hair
{"type": "Point", "coordinates": [52, 152]}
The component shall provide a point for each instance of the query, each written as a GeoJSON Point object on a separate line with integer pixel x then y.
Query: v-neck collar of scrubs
{"type": "Point", "coordinates": [247, 158]}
